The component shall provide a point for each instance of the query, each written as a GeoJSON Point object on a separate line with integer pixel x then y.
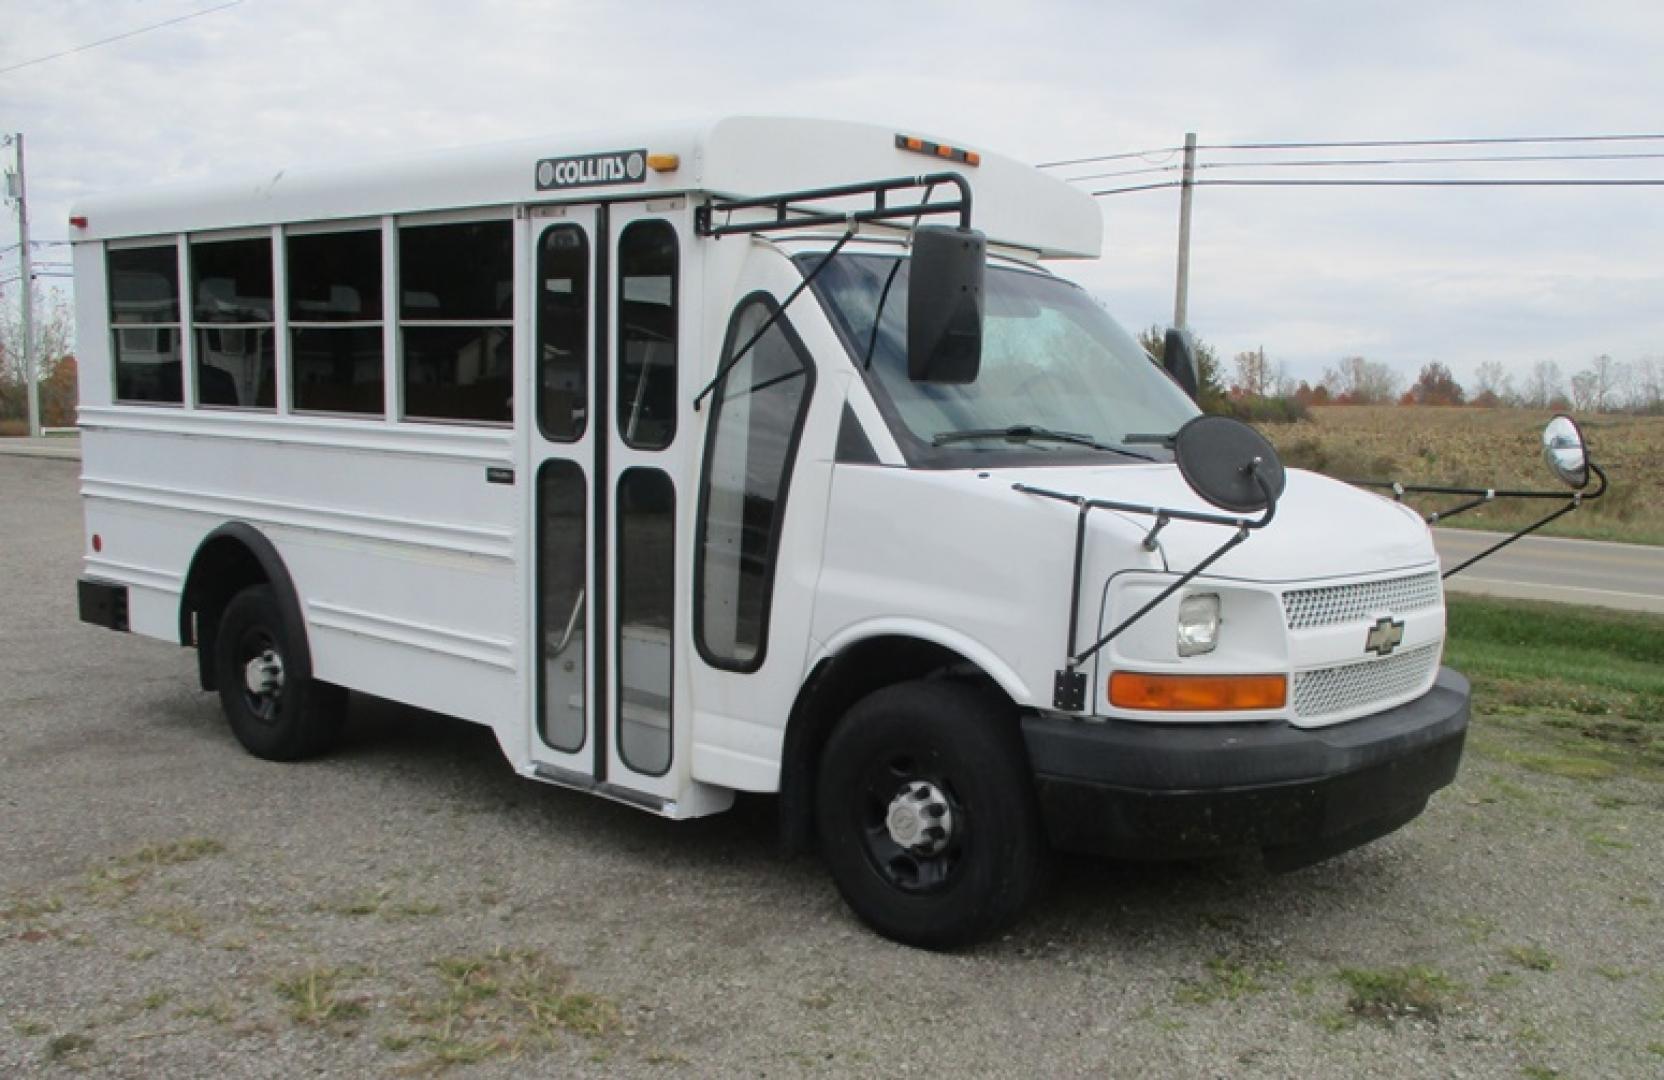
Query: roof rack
{"type": "Point", "coordinates": [784, 206]}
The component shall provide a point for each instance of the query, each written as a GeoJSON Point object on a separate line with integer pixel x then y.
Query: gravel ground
{"type": "Point", "coordinates": [170, 905]}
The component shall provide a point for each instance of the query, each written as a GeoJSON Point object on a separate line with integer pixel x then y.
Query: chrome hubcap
{"type": "Point", "coordinates": [263, 674]}
{"type": "Point", "coordinates": [919, 819]}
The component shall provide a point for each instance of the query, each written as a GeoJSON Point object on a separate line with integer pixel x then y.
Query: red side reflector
{"type": "Point", "coordinates": [79, 221]}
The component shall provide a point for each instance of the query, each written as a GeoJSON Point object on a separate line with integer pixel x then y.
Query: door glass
{"type": "Point", "coordinates": [646, 604]}
{"type": "Point", "coordinates": [755, 422]}
{"type": "Point", "coordinates": [563, 333]}
{"type": "Point", "coordinates": [647, 334]}
{"type": "Point", "coordinates": [561, 624]}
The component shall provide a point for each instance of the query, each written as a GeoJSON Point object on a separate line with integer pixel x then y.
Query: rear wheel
{"type": "Point", "coordinates": [926, 814]}
{"type": "Point", "coordinates": [276, 709]}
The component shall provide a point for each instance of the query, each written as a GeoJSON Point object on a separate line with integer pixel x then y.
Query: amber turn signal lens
{"type": "Point", "coordinates": [1196, 693]}
{"type": "Point", "coordinates": [664, 162]}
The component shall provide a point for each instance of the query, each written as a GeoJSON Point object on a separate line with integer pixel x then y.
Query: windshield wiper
{"type": "Point", "coordinates": [1145, 439]}
{"type": "Point", "coordinates": [1031, 432]}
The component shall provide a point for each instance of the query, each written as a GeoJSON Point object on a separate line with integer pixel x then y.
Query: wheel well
{"type": "Point", "coordinates": [229, 560]}
{"type": "Point", "coordinates": [837, 683]}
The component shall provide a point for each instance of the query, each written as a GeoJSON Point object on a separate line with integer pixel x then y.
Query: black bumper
{"type": "Point", "coordinates": [1169, 791]}
{"type": "Point", "coordinates": [102, 603]}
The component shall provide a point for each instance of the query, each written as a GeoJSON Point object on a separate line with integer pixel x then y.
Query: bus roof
{"type": "Point", "coordinates": [1013, 203]}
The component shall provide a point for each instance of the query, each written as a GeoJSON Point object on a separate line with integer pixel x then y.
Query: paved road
{"type": "Point", "coordinates": [1627, 576]}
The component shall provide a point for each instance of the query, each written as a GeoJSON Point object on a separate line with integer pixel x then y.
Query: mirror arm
{"type": "Point", "coordinates": [1461, 508]}
{"type": "Point", "coordinates": [1069, 684]}
{"type": "Point", "coordinates": [1572, 503]}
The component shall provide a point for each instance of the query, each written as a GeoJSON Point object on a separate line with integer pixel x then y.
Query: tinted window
{"type": "Point", "coordinates": [563, 333]}
{"type": "Point", "coordinates": [337, 358]}
{"type": "Point", "coordinates": [563, 637]}
{"type": "Point", "coordinates": [231, 281]}
{"type": "Point", "coordinates": [756, 415]}
{"type": "Point", "coordinates": [647, 335]}
{"type": "Point", "coordinates": [449, 272]}
{"type": "Point", "coordinates": [453, 279]}
{"type": "Point", "coordinates": [337, 370]}
{"type": "Point", "coordinates": [144, 323]}
{"type": "Point", "coordinates": [646, 609]}
{"type": "Point", "coordinates": [335, 277]}
{"type": "Point", "coordinates": [231, 289]}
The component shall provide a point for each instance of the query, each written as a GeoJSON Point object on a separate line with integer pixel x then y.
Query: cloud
{"type": "Point", "coordinates": [1404, 275]}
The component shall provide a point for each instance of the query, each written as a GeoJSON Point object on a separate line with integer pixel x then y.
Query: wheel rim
{"type": "Point", "coordinates": [260, 664]}
{"type": "Point", "coordinates": [913, 823]}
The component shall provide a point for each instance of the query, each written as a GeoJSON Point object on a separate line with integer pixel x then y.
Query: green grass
{"type": "Point", "coordinates": [1568, 691]}
{"type": "Point", "coordinates": [1388, 994]}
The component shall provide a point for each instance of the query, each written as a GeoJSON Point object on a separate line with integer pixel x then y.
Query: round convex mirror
{"type": "Point", "coordinates": [1565, 451]}
{"type": "Point", "coordinates": [1215, 454]}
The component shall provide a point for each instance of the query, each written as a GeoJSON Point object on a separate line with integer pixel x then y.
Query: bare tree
{"type": "Point", "coordinates": [1255, 375]}
{"type": "Point", "coordinates": [1585, 391]}
{"type": "Point", "coordinates": [1356, 381]}
{"type": "Point", "coordinates": [1646, 384]}
{"type": "Point", "coordinates": [1492, 385]}
{"type": "Point", "coordinates": [1543, 385]}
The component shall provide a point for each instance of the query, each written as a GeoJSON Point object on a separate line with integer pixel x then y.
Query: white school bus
{"type": "Point", "coordinates": [769, 456]}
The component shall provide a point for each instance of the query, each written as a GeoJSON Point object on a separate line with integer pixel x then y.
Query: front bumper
{"type": "Point", "coordinates": [1137, 790]}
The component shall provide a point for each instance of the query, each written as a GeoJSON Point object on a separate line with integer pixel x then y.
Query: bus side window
{"type": "Point", "coordinates": [647, 334]}
{"type": "Point", "coordinates": [144, 318]}
{"type": "Point", "coordinates": [756, 418]}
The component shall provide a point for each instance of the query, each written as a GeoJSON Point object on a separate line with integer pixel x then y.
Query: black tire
{"type": "Point", "coordinates": [964, 746]}
{"type": "Point", "coordinates": [298, 717]}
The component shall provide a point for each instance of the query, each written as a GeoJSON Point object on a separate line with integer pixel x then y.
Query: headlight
{"type": "Point", "coordinates": [1198, 624]}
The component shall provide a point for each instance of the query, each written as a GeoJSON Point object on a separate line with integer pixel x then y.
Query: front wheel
{"type": "Point", "coordinates": [926, 814]}
{"type": "Point", "coordinates": [276, 711]}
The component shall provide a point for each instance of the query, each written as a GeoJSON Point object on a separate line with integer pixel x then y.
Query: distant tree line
{"type": "Point", "coordinates": [53, 332]}
{"type": "Point", "coordinates": [1257, 387]}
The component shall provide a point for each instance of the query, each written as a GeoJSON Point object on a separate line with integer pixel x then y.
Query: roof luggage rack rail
{"type": "Point", "coordinates": [789, 215]}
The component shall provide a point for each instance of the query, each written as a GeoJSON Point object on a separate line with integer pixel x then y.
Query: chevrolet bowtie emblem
{"type": "Point", "coordinates": [1384, 636]}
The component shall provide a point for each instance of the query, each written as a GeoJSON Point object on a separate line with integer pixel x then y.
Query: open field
{"type": "Point", "coordinates": [406, 906]}
{"type": "Point", "coordinates": [1488, 448]}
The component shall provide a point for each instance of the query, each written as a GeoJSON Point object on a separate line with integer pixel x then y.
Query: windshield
{"type": "Point", "coordinates": [1053, 363]}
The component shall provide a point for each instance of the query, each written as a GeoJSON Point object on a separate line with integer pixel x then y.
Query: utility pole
{"type": "Point", "coordinates": [17, 191]}
{"type": "Point", "coordinates": [1187, 185]}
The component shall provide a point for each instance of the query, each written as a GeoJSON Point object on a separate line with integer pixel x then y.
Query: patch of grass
{"type": "Point", "coordinates": [68, 1045]}
{"type": "Point", "coordinates": [156, 999]}
{"type": "Point", "coordinates": [121, 876]}
{"type": "Point", "coordinates": [174, 852]}
{"type": "Point", "coordinates": [22, 908]}
{"type": "Point", "coordinates": [500, 1003]}
{"type": "Point", "coordinates": [218, 1011]}
{"type": "Point", "coordinates": [178, 921]}
{"type": "Point", "coordinates": [1532, 957]}
{"type": "Point", "coordinates": [1227, 979]}
{"type": "Point", "coordinates": [1390, 994]}
{"type": "Point", "coordinates": [1539, 1072]}
{"type": "Point", "coordinates": [1502, 980]}
{"type": "Point", "coordinates": [382, 903]}
{"type": "Point", "coordinates": [313, 998]}
{"type": "Point", "coordinates": [30, 1028]}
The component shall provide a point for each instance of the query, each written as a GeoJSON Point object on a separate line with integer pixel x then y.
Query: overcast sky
{"type": "Point", "coordinates": [1403, 275]}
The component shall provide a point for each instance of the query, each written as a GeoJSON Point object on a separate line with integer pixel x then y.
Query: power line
{"type": "Point", "coordinates": [1390, 182]}
{"type": "Point", "coordinates": [1146, 154]}
{"type": "Point", "coordinates": [1378, 143]}
{"type": "Point", "coordinates": [120, 37]}
{"type": "Point", "coordinates": [1347, 162]}
{"type": "Point", "coordinates": [1359, 144]}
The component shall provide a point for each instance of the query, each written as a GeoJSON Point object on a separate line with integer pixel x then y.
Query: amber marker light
{"type": "Point", "coordinates": [664, 162]}
{"type": "Point", "coordinates": [1196, 693]}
